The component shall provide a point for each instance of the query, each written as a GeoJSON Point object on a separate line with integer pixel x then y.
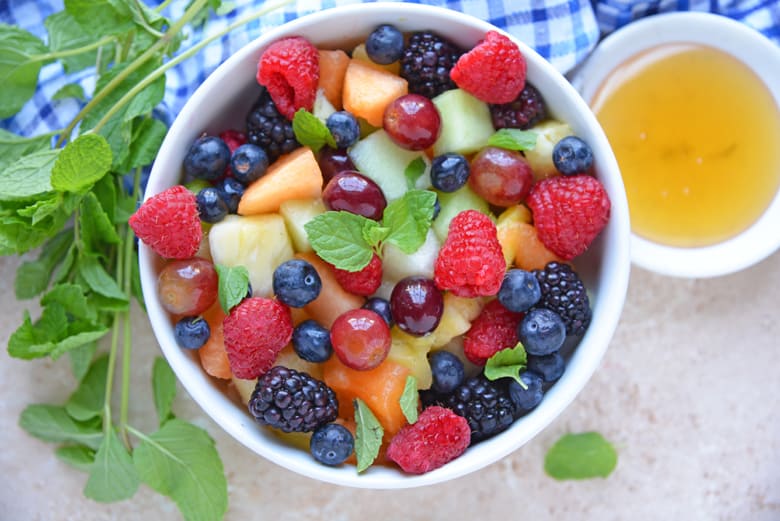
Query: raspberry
{"type": "Point", "coordinates": [233, 139]}
{"type": "Point", "coordinates": [493, 71]}
{"type": "Point", "coordinates": [289, 68]}
{"type": "Point", "coordinates": [569, 212]}
{"type": "Point", "coordinates": [470, 262]}
{"type": "Point", "coordinates": [364, 282]}
{"type": "Point", "coordinates": [169, 223]}
{"type": "Point", "coordinates": [494, 329]}
{"type": "Point", "coordinates": [438, 437]}
{"type": "Point", "coordinates": [255, 331]}
{"type": "Point", "coordinates": [523, 112]}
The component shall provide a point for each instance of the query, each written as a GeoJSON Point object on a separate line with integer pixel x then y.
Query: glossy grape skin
{"type": "Point", "coordinates": [412, 121]}
{"type": "Point", "coordinates": [188, 286]}
{"type": "Point", "coordinates": [416, 305]}
{"type": "Point", "coordinates": [353, 192]}
{"type": "Point", "coordinates": [501, 177]}
{"type": "Point", "coordinates": [332, 161]}
{"type": "Point", "coordinates": [360, 339]}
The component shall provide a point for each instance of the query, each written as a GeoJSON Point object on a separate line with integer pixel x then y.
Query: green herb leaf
{"type": "Point", "coordinates": [81, 359]}
{"type": "Point", "coordinates": [513, 139]}
{"type": "Point", "coordinates": [98, 279]}
{"type": "Point", "coordinates": [81, 163]}
{"type": "Point", "coordinates": [70, 90]}
{"type": "Point", "coordinates": [96, 227]}
{"type": "Point", "coordinates": [38, 339]}
{"type": "Point", "coordinates": [580, 456]}
{"type": "Point", "coordinates": [112, 476]}
{"type": "Point", "coordinates": [337, 237]}
{"type": "Point", "coordinates": [180, 461]}
{"type": "Point", "coordinates": [89, 398]}
{"type": "Point", "coordinates": [233, 285]}
{"type": "Point", "coordinates": [410, 399]}
{"type": "Point", "coordinates": [374, 233]}
{"type": "Point", "coordinates": [163, 388]}
{"type": "Point", "coordinates": [52, 423]}
{"type": "Point", "coordinates": [72, 298]}
{"type": "Point", "coordinates": [147, 137]}
{"type": "Point", "coordinates": [77, 456]}
{"type": "Point", "coordinates": [12, 147]}
{"type": "Point", "coordinates": [414, 170]}
{"type": "Point", "coordinates": [19, 67]}
{"type": "Point", "coordinates": [100, 17]}
{"type": "Point", "coordinates": [368, 435]}
{"type": "Point", "coordinates": [310, 131]}
{"type": "Point", "coordinates": [509, 362]}
{"type": "Point", "coordinates": [66, 34]}
{"type": "Point", "coordinates": [409, 219]}
{"type": "Point", "coordinates": [29, 176]}
{"type": "Point", "coordinates": [79, 333]}
{"type": "Point", "coordinates": [32, 277]}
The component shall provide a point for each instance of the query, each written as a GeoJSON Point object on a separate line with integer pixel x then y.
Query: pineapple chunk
{"type": "Point", "coordinates": [540, 158]}
{"type": "Point", "coordinates": [296, 213]}
{"type": "Point", "coordinates": [456, 319]}
{"type": "Point", "coordinates": [507, 228]}
{"type": "Point", "coordinates": [412, 353]}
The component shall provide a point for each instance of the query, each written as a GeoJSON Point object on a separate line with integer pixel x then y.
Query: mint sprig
{"type": "Point", "coordinates": [368, 435]}
{"type": "Point", "coordinates": [233, 285]}
{"type": "Point", "coordinates": [513, 139]}
{"type": "Point", "coordinates": [310, 131]}
{"type": "Point", "coordinates": [507, 363]}
{"type": "Point", "coordinates": [410, 399]}
{"type": "Point", "coordinates": [580, 456]}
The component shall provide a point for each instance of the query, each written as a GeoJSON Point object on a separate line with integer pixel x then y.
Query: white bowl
{"type": "Point", "coordinates": [762, 238]}
{"type": "Point", "coordinates": [224, 99]}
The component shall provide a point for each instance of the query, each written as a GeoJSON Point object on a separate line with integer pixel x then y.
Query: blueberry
{"type": "Point", "coordinates": [344, 128]}
{"type": "Point", "coordinates": [248, 163]}
{"type": "Point", "coordinates": [296, 283]}
{"type": "Point", "coordinates": [385, 45]}
{"type": "Point", "coordinates": [311, 341]}
{"type": "Point", "coordinates": [207, 158]}
{"type": "Point", "coordinates": [447, 371]}
{"type": "Point", "coordinates": [572, 155]}
{"type": "Point", "coordinates": [331, 444]}
{"type": "Point", "coordinates": [541, 332]}
{"type": "Point", "coordinates": [231, 191]}
{"type": "Point", "coordinates": [519, 291]}
{"type": "Point", "coordinates": [449, 172]}
{"type": "Point", "coordinates": [526, 399]}
{"type": "Point", "coordinates": [436, 208]}
{"type": "Point", "coordinates": [549, 367]}
{"type": "Point", "coordinates": [381, 307]}
{"type": "Point", "coordinates": [211, 207]}
{"type": "Point", "coordinates": [192, 332]}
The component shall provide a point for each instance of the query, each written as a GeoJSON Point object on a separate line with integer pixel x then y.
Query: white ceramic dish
{"type": "Point", "coordinates": [763, 57]}
{"type": "Point", "coordinates": [224, 99]}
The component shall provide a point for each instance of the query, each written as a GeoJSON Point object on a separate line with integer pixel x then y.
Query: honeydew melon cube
{"type": "Point", "coordinates": [466, 125]}
{"type": "Point", "coordinates": [397, 265]}
{"type": "Point", "coordinates": [296, 213]}
{"type": "Point", "coordinates": [540, 157]}
{"type": "Point", "coordinates": [322, 107]}
{"type": "Point", "coordinates": [452, 204]}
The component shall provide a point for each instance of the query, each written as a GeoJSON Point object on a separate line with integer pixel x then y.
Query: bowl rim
{"type": "Point", "coordinates": [608, 307]}
{"type": "Point", "coordinates": [760, 239]}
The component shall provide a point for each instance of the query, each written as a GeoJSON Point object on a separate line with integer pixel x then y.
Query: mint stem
{"type": "Point", "coordinates": [72, 52]}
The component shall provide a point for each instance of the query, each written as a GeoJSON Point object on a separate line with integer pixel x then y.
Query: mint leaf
{"type": "Point", "coordinates": [81, 163]}
{"type": "Point", "coordinates": [65, 34]}
{"type": "Point", "coordinates": [88, 400]}
{"type": "Point", "coordinates": [337, 237]}
{"type": "Point", "coordinates": [70, 296]}
{"type": "Point", "coordinates": [32, 277]}
{"type": "Point", "coordinates": [12, 146]}
{"type": "Point", "coordinates": [310, 131]}
{"type": "Point", "coordinates": [368, 435]}
{"type": "Point", "coordinates": [100, 17]}
{"type": "Point", "coordinates": [233, 285]}
{"type": "Point", "coordinates": [98, 279]}
{"type": "Point", "coordinates": [81, 358]}
{"type": "Point", "coordinates": [409, 219]}
{"type": "Point", "coordinates": [77, 456]}
{"type": "Point", "coordinates": [18, 67]}
{"type": "Point", "coordinates": [580, 456]}
{"type": "Point", "coordinates": [181, 461]}
{"type": "Point", "coordinates": [414, 170]}
{"type": "Point", "coordinates": [509, 362]}
{"type": "Point", "coordinates": [374, 233]}
{"type": "Point", "coordinates": [95, 225]}
{"type": "Point", "coordinates": [52, 423]}
{"type": "Point", "coordinates": [410, 399]}
{"type": "Point", "coordinates": [147, 137]}
{"type": "Point", "coordinates": [70, 90]}
{"type": "Point", "coordinates": [79, 333]}
{"type": "Point", "coordinates": [513, 139]}
{"type": "Point", "coordinates": [29, 176]}
{"type": "Point", "coordinates": [38, 339]}
{"type": "Point", "coordinates": [163, 389]}
{"type": "Point", "coordinates": [112, 476]}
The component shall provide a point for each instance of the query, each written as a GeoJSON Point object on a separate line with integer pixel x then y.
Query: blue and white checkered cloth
{"type": "Point", "coordinates": [563, 31]}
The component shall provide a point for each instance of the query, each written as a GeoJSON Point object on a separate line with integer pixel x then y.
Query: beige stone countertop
{"type": "Point", "coordinates": [689, 392]}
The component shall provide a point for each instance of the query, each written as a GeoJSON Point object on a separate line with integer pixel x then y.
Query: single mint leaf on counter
{"type": "Point", "coordinates": [53, 423]}
{"type": "Point", "coordinates": [414, 170]}
{"type": "Point", "coordinates": [580, 456]}
{"type": "Point", "coordinates": [233, 285]}
{"type": "Point", "coordinates": [337, 237]}
{"type": "Point", "coordinates": [88, 400]}
{"type": "Point", "coordinates": [29, 176]}
{"type": "Point", "coordinates": [410, 399]}
{"type": "Point", "coordinates": [82, 163]}
{"type": "Point", "coordinates": [310, 131]}
{"type": "Point", "coordinates": [163, 389]}
{"type": "Point", "coordinates": [18, 68]}
{"type": "Point", "coordinates": [509, 362]}
{"type": "Point", "coordinates": [409, 219]}
{"type": "Point", "coordinates": [513, 139]}
{"type": "Point", "coordinates": [368, 435]}
{"type": "Point", "coordinates": [77, 456]}
{"type": "Point", "coordinates": [112, 476]}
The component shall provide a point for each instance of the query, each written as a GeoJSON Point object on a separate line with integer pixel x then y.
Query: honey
{"type": "Point", "coordinates": [697, 137]}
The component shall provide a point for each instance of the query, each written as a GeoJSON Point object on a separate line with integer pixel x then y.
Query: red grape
{"type": "Point", "coordinates": [360, 339]}
{"type": "Point", "coordinates": [353, 192]}
{"type": "Point", "coordinates": [416, 305]}
{"type": "Point", "coordinates": [188, 286]}
{"type": "Point", "coordinates": [412, 122]}
{"type": "Point", "coordinates": [332, 161]}
{"type": "Point", "coordinates": [501, 177]}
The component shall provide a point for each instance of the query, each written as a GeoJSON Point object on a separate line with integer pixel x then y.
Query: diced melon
{"type": "Point", "coordinates": [466, 125]}
{"type": "Point", "coordinates": [333, 299]}
{"type": "Point", "coordinates": [540, 157]}
{"type": "Point", "coordinates": [296, 213]}
{"type": "Point", "coordinates": [212, 354]}
{"type": "Point", "coordinates": [287, 357]}
{"type": "Point", "coordinates": [452, 204]}
{"type": "Point", "coordinates": [333, 66]}
{"type": "Point", "coordinates": [368, 91]}
{"type": "Point", "coordinates": [397, 265]}
{"type": "Point", "coordinates": [322, 107]}
{"type": "Point", "coordinates": [359, 53]}
{"type": "Point", "coordinates": [293, 176]}
{"type": "Point", "coordinates": [531, 253]}
{"type": "Point", "coordinates": [507, 230]}
{"type": "Point", "coordinates": [244, 388]}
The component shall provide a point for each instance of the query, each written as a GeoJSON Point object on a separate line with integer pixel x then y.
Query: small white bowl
{"type": "Point", "coordinates": [761, 239]}
{"type": "Point", "coordinates": [223, 100]}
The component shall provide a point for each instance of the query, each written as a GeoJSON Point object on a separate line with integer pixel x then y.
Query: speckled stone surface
{"type": "Point", "coordinates": [688, 391]}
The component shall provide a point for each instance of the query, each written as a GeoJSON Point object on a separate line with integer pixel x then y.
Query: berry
{"type": "Point", "coordinates": [344, 127]}
{"type": "Point", "coordinates": [471, 262]}
{"type": "Point", "coordinates": [211, 207]}
{"type": "Point", "coordinates": [563, 291]}
{"type": "Point", "coordinates": [169, 223]}
{"type": "Point", "coordinates": [501, 177]}
{"type": "Point", "coordinates": [412, 121]}
{"type": "Point", "coordinates": [529, 397]}
{"type": "Point", "coordinates": [385, 45]}
{"type": "Point", "coordinates": [254, 333]}
{"type": "Point", "coordinates": [493, 71]}
{"type": "Point", "coordinates": [333, 161]}
{"type": "Point", "coordinates": [436, 208]}
{"type": "Point", "coordinates": [231, 192]}
{"type": "Point", "coordinates": [549, 367]}
{"type": "Point", "coordinates": [485, 405]}
{"type": "Point", "coordinates": [233, 139]}
{"type": "Point", "coordinates": [568, 213]}
{"type": "Point", "coordinates": [187, 286]}
{"type": "Point", "coordinates": [292, 401]}
{"type": "Point", "coordinates": [447, 371]}
{"type": "Point", "coordinates": [436, 438]}
{"type": "Point", "coordinates": [248, 163]}
{"type": "Point", "coordinates": [289, 68]}
{"type": "Point", "coordinates": [331, 444]}
{"type": "Point", "coordinates": [449, 172]}
{"type": "Point", "coordinates": [519, 290]}
{"type": "Point", "coordinates": [364, 282]}
{"type": "Point", "coordinates": [360, 339]}
{"type": "Point", "coordinates": [524, 112]}
{"type": "Point", "coordinates": [268, 129]}
{"type": "Point", "coordinates": [381, 307]}
{"type": "Point", "coordinates": [353, 192]}
{"type": "Point", "coordinates": [311, 341]}
{"type": "Point", "coordinates": [542, 332]}
{"type": "Point", "coordinates": [494, 329]}
{"type": "Point", "coordinates": [296, 283]}
{"type": "Point", "coordinates": [191, 332]}
{"type": "Point", "coordinates": [207, 159]}
{"type": "Point", "coordinates": [571, 155]}
{"type": "Point", "coordinates": [426, 63]}
{"type": "Point", "coordinates": [416, 305]}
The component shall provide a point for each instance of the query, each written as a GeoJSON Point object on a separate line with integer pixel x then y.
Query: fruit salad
{"type": "Point", "coordinates": [381, 259]}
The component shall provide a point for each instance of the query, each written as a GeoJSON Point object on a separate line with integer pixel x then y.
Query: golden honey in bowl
{"type": "Point", "coordinates": [697, 137]}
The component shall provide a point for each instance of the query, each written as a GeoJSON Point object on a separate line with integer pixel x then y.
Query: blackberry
{"type": "Point", "coordinates": [564, 293]}
{"type": "Point", "coordinates": [426, 63]}
{"type": "Point", "coordinates": [292, 401]}
{"type": "Point", "coordinates": [486, 406]}
{"type": "Point", "coordinates": [268, 129]}
{"type": "Point", "coordinates": [524, 112]}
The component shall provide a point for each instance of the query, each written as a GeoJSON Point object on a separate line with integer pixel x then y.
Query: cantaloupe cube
{"type": "Point", "coordinates": [295, 175]}
{"type": "Point", "coordinates": [213, 356]}
{"type": "Point", "coordinates": [333, 65]}
{"type": "Point", "coordinates": [333, 299]}
{"type": "Point", "coordinates": [359, 53]}
{"type": "Point", "coordinates": [368, 91]}
{"type": "Point", "coordinates": [531, 253]}
{"type": "Point", "coordinates": [507, 230]}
